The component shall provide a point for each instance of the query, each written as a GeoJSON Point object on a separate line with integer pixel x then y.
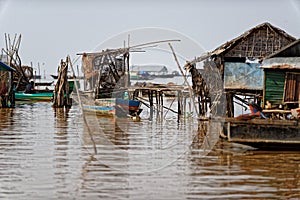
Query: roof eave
{"type": "Point", "coordinates": [5, 66]}
{"type": "Point", "coordinates": [229, 44]}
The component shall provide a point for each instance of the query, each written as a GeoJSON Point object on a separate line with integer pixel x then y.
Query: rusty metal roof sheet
{"type": "Point", "coordinates": [281, 63]}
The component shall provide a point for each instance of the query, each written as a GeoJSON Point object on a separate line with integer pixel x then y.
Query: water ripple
{"type": "Point", "coordinates": [48, 154]}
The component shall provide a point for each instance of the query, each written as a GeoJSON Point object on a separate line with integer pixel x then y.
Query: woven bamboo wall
{"type": "Point", "coordinates": [259, 43]}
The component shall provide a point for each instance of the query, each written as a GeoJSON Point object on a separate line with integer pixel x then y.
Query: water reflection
{"type": "Point", "coordinates": [48, 154]}
{"type": "Point", "coordinates": [6, 116]}
{"type": "Point", "coordinates": [243, 172]}
{"type": "Point", "coordinates": [61, 159]}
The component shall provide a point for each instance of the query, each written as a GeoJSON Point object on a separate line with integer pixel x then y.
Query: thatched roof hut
{"type": "Point", "coordinates": [239, 60]}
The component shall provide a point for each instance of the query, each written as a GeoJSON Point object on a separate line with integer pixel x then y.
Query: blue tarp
{"type": "Point", "coordinates": [5, 67]}
{"type": "Point", "coordinates": [243, 76]}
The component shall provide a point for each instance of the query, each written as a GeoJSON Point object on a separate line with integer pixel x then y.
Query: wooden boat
{"type": "Point", "coordinates": [36, 77]}
{"type": "Point", "coordinates": [265, 129]}
{"type": "Point", "coordinates": [37, 96]}
{"type": "Point", "coordinates": [126, 107]}
{"type": "Point", "coordinates": [69, 77]}
{"type": "Point", "coordinates": [163, 76]}
{"type": "Point", "coordinates": [114, 107]}
{"type": "Point", "coordinates": [263, 133]}
{"type": "Point", "coordinates": [54, 76]}
{"type": "Point", "coordinates": [43, 83]}
{"type": "Point", "coordinates": [139, 76]}
{"type": "Point", "coordinates": [105, 106]}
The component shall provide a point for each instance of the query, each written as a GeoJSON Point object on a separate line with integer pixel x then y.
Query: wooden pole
{"type": "Point", "coordinates": [200, 106]}
{"type": "Point", "coordinates": [61, 90]}
{"type": "Point", "coordinates": [157, 103]}
{"type": "Point", "coordinates": [184, 104]}
{"type": "Point", "coordinates": [11, 89]}
{"type": "Point", "coordinates": [161, 104]}
{"type": "Point", "coordinates": [150, 94]}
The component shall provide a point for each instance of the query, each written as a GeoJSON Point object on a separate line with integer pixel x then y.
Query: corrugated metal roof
{"type": "Point", "coordinates": [5, 67]}
{"type": "Point", "coordinates": [282, 63]}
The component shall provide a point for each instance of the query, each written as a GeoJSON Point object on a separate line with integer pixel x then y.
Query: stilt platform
{"type": "Point", "coordinates": [155, 94]}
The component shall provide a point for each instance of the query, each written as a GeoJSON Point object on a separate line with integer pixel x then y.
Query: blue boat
{"type": "Point", "coordinates": [114, 107]}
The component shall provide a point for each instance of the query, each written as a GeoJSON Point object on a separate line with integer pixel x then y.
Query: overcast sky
{"type": "Point", "coordinates": [53, 29]}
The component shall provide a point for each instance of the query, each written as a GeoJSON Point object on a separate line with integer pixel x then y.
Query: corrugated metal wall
{"type": "Point", "coordinates": [274, 87]}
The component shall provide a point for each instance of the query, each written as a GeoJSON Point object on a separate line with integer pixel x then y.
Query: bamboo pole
{"type": "Point", "coordinates": [142, 100]}
{"type": "Point", "coordinates": [83, 116]}
{"type": "Point", "coordinates": [190, 91]}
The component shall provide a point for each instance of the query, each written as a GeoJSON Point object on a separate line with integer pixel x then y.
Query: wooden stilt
{"type": "Point", "coordinates": [157, 99]}
{"type": "Point", "coordinates": [199, 105]}
{"type": "Point", "coordinates": [184, 105]}
{"type": "Point", "coordinates": [161, 104]}
{"type": "Point", "coordinates": [230, 105]}
{"type": "Point", "coordinates": [150, 94]}
{"type": "Point", "coordinates": [179, 105]}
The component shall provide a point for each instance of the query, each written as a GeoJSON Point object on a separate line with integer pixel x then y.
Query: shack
{"type": "Point", "coordinates": [282, 82]}
{"type": "Point", "coordinates": [106, 71]}
{"type": "Point", "coordinates": [239, 61]}
{"type": "Point", "coordinates": [282, 79]}
{"type": "Point", "coordinates": [7, 95]}
{"type": "Point", "coordinates": [260, 66]}
{"type": "Point", "coordinates": [10, 56]}
{"type": "Point", "coordinates": [281, 104]}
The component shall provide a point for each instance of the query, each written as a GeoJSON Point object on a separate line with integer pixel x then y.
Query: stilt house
{"type": "Point", "coordinates": [239, 61]}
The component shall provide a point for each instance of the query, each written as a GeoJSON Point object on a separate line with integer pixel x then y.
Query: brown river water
{"type": "Point", "coordinates": [48, 154]}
